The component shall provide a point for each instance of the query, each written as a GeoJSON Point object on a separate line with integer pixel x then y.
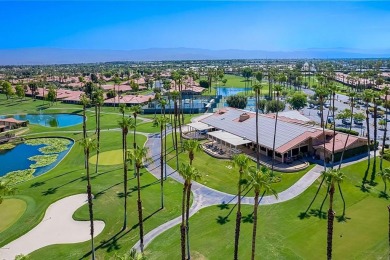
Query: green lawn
{"type": "Point", "coordinates": [10, 211]}
{"type": "Point", "coordinates": [283, 235]}
{"type": "Point", "coordinates": [218, 174]}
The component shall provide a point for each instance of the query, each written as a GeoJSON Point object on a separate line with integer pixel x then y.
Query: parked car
{"type": "Point", "coordinates": [311, 106]}
{"type": "Point", "coordinates": [326, 105]}
{"type": "Point", "coordinates": [346, 121]}
{"type": "Point", "coordinates": [330, 120]}
{"type": "Point", "coordinates": [358, 122]}
{"type": "Point", "coordinates": [319, 113]}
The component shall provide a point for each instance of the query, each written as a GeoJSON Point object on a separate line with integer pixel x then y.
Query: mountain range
{"type": "Point", "coordinates": [46, 56]}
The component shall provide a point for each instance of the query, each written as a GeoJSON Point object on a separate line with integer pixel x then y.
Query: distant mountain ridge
{"type": "Point", "coordinates": [45, 56]}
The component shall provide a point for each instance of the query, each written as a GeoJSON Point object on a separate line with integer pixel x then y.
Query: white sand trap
{"type": "Point", "coordinates": [57, 227]}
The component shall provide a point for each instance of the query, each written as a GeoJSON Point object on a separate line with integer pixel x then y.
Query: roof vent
{"type": "Point", "coordinates": [243, 117]}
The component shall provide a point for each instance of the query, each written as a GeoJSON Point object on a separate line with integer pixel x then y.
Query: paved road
{"type": "Point", "coordinates": [204, 196]}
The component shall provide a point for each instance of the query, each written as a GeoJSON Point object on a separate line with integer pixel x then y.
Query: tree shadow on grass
{"type": "Point", "coordinates": [318, 213]}
{"type": "Point", "coordinates": [342, 218]}
{"type": "Point", "coordinates": [303, 215]}
{"type": "Point", "coordinates": [37, 184]}
{"type": "Point", "coordinates": [364, 187]}
{"type": "Point", "coordinates": [222, 220]}
{"type": "Point", "coordinates": [248, 218]}
{"type": "Point", "coordinates": [223, 206]}
{"type": "Point", "coordinates": [49, 191]}
{"type": "Point", "coordinates": [384, 195]}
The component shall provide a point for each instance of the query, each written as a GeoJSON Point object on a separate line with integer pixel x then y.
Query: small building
{"type": "Point", "coordinates": [11, 123]}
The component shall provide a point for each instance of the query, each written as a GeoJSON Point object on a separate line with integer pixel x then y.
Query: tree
{"type": "Point", "coordinates": [224, 81]}
{"type": "Point", "coordinates": [89, 144]}
{"type": "Point", "coordinates": [111, 94]}
{"type": "Point", "coordinates": [162, 122]}
{"type": "Point", "coordinates": [125, 124]}
{"type": "Point", "coordinates": [257, 88]}
{"type": "Point", "coordinates": [344, 114]}
{"type": "Point", "coordinates": [273, 106]}
{"type": "Point", "coordinates": [89, 88]}
{"type": "Point", "coordinates": [385, 175]}
{"type": "Point", "coordinates": [135, 110]}
{"type": "Point", "coordinates": [19, 90]}
{"type": "Point", "coordinates": [367, 98]}
{"type": "Point", "coordinates": [122, 109]}
{"type": "Point", "coordinates": [261, 182]}
{"type": "Point", "coordinates": [85, 102]}
{"type": "Point", "coordinates": [33, 86]}
{"type": "Point", "coordinates": [277, 88]}
{"type": "Point", "coordinates": [262, 104]}
{"type": "Point", "coordinates": [376, 99]}
{"type": "Point", "coordinates": [242, 162]}
{"type": "Point", "coordinates": [5, 190]}
{"type": "Point", "coordinates": [204, 83]}
{"type": "Point", "coordinates": [94, 78]}
{"type": "Point", "coordinates": [51, 95]}
{"type": "Point", "coordinates": [7, 89]}
{"type": "Point", "coordinates": [189, 173]}
{"type": "Point", "coordinates": [137, 156]}
{"type": "Point", "coordinates": [385, 91]}
{"type": "Point", "coordinates": [237, 101]}
{"type": "Point", "coordinates": [332, 177]}
{"type": "Point", "coordinates": [247, 72]}
{"type": "Point", "coordinates": [98, 100]}
{"type": "Point", "coordinates": [297, 100]}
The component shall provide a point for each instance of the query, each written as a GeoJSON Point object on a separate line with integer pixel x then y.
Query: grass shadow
{"type": "Point", "coordinates": [222, 220]}
{"type": "Point", "coordinates": [303, 215]}
{"type": "Point", "coordinates": [49, 191]}
{"type": "Point", "coordinates": [37, 184]}
{"type": "Point", "coordinates": [248, 218]}
{"type": "Point", "coordinates": [223, 206]}
{"type": "Point", "coordinates": [363, 187]}
{"type": "Point", "coordinates": [384, 195]}
{"type": "Point", "coordinates": [342, 218]}
{"type": "Point", "coordinates": [318, 213]}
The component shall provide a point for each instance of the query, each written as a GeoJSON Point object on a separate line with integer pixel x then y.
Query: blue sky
{"type": "Point", "coordinates": [255, 25]}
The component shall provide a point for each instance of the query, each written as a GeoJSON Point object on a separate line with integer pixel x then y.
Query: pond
{"type": "Point", "coordinates": [50, 120]}
{"type": "Point", "coordinates": [17, 158]}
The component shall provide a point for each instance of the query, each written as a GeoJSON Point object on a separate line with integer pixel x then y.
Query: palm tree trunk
{"type": "Point", "coordinates": [255, 209]}
{"type": "Point", "coordinates": [257, 131]}
{"type": "Point", "coordinates": [384, 135]}
{"type": "Point", "coordinates": [98, 142]}
{"type": "Point", "coordinates": [187, 219]}
{"type": "Point", "coordinates": [274, 141]}
{"type": "Point", "coordinates": [368, 145]}
{"type": "Point", "coordinates": [238, 219]}
{"type": "Point", "coordinates": [182, 226]}
{"type": "Point", "coordinates": [334, 128]}
{"type": "Point", "coordinates": [346, 141]}
{"type": "Point", "coordinates": [373, 173]}
{"type": "Point", "coordinates": [90, 203]}
{"type": "Point", "coordinates": [140, 218]}
{"type": "Point", "coordinates": [342, 198]}
{"type": "Point", "coordinates": [331, 215]}
{"type": "Point", "coordinates": [125, 178]}
{"type": "Point", "coordinates": [161, 166]}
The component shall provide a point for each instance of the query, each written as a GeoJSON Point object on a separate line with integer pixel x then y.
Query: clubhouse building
{"type": "Point", "coordinates": [233, 131]}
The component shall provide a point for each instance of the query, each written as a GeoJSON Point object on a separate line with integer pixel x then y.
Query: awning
{"type": "Point", "coordinates": [229, 138]}
{"type": "Point", "coordinates": [200, 126]}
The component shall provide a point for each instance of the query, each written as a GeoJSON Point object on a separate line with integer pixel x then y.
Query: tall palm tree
{"type": "Point", "coordinates": [261, 182]}
{"type": "Point", "coordinates": [332, 176]}
{"type": "Point", "coordinates": [242, 162]}
{"type": "Point", "coordinates": [189, 173]}
{"type": "Point", "coordinates": [376, 99]}
{"type": "Point", "coordinates": [175, 96]}
{"type": "Point", "coordinates": [332, 87]}
{"type": "Point", "coordinates": [352, 105]}
{"type": "Point", "coordinates": [162, 122]}
{"type": "Point", "coordinates": [385, 175]}
{"type": "Point", "coordinates": [137, 156]}
{"type": "Point", "coordinates": [85, 101]}
{"type": "Point", "coordinates": [386, 92]}
{"type": "Point", "coordinates": [257, 88]}
{"type": "Point", "coordinates": [98, 101]}
{"type": "Point", "coordinates": [277, 88]}
{"type": "Point", "coordinates": [122, 109]}
{"type": "Point", "coordinates": [367, 97]}
{"type": "Point", "coordinates": [191, 146]}
{"type": "Point", "coordinates": [125, 124]}
{"type": "Point", "coordinates": [135, 110]}
{"type": "Point", "coordinates": [163, 104]}
{"type": "Point", "coordinates": [89, 144]}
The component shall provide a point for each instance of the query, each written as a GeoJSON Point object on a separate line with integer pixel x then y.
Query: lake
{"type": "Point", "coordinates": [50, 120]}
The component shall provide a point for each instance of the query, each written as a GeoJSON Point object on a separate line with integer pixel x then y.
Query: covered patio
{"type": "Point", "coordinates": [224, 144]}
{"type": "Point", "coordinates": [197, 130]}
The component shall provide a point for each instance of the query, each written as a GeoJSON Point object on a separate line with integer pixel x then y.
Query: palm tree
{"type": "Point", "coordinates": [261, 182]}
{"type": "Point", "coordinates": [89, 144]}
{"type": "Point", "coordinates": [162, 122]}
{"type": "Point", "coordinates": [137, 156]}
{"type": "Point", "coordinates": [332, 176]}
{"type": "Point", "coordinates": [122, 109]}
{"type": "Point", "coordinates": [175, 95]}
{"type": "Point", "coordinates": [135, 110]}
{"type": "Point", "coordinates": [333, 88]}
{"type": "Point", "coordinates": [242, 162]}
{"type": "Point", "coordinates": [385, 91]}
{"type": "Point", "coordinates": [376, 99]}
{"type": "Point", "coordinates": [385, 174]}
{"type": "Point", "coordinates": [191, 146]}
{"type": "Point", "coordinates": [352, 105]}
{"type": "Point", "coordinates": [257, 88]}
{"type": "Point", "coordinates": [99, 101]}
{"type": "Point", "coordinates": [85, 102]}
{"type": "Point", "coordinates": [278, 88]}
{"type": "Point", "coordinates": [189, 173]}
{"type": "Point", "coordinates": [367, 97]}
{"type": "Point", "coordinates": [125, 124]}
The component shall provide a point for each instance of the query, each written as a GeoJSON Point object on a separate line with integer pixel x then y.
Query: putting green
{"type": "Point", "coordinates": [10, 211]}
{"type": "Point", "coordinates": [113, 157]}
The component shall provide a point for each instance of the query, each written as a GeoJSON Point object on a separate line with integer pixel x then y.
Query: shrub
{"type": "Point", "coordinates": [345, 130]}
{"type": "Point", "coordinates": [237, 101]}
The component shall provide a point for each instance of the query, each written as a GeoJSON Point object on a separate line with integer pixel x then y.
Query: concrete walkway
{"type": "Point", "coordinates": [56, 227]}
{"type": "Point", "coordinates": [204, 196]}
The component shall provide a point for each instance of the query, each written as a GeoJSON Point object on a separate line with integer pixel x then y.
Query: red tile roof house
{"type": "Point", "coordinates": [129, 100]}
{"type": "Point", "coordinates": [11, 123]}
{"type": "Point", "coordinates": [294, 136]}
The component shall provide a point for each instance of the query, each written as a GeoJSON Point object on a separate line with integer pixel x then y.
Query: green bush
{"type": "Point", "coordinates": [345, 130]}
{"type": "Point", "coordinates": [237, 101]}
